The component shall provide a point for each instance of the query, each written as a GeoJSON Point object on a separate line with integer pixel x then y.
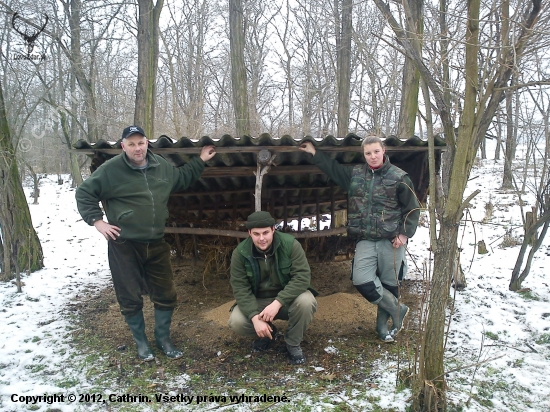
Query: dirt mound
{"type": "Point", "coordinates": [340, 310]}
{"type": "Point", "coordinates": [204, 303]}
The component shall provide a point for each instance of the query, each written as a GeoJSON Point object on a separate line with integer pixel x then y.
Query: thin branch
{"type": "Point", "coordinates": [521, 86]}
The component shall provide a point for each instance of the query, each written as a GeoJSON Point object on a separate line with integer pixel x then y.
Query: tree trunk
{"type": "Point", "coordinates": [343, 44]}
{"type": "Point", "coordinates": [411, 74]}
{"type": "Point", "coordinates": [77, 66]}
{"type": "Point", "coordinates": [475, 119]}
{"type": "Point", "coordinates": [432, 395]}
{"type": "Point", "coordinates": [148, 55]}
{"type": "Point", "coordinates": [21, 245]}
{"type": "Point", "coordinates": [517, 278]}
{"type": "Point", "coordinates": [238, 68]}
{"type": "Point", "coordinates": [498, 147]}
{"type": "Point", "coordinates": [507, 177]}
{"type": "Point", "coordinates": [173, 88]}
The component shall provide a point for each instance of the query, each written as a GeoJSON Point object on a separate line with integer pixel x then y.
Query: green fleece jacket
{"type": "Point", "coordinates": [136, 200]}
{"type": "Point", "coordinates": [406, 198]}
{"type": "Point", "coordinates": [286, 265]}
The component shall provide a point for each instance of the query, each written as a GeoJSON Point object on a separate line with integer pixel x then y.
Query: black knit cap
{"type": "Point", "coordinates": [259, 219]}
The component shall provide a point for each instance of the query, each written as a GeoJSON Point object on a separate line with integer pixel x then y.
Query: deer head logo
{"type": "Point", "coordinates": [29, 34]}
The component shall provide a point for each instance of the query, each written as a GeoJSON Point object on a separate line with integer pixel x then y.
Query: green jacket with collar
{"type": "Point", "coordinates": [290, 265]}
{"type": "Point", "coordinates": [136, 200]}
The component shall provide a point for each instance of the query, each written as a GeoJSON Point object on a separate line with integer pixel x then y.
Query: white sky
{"type": "Point", "coordinates": [36, 355]}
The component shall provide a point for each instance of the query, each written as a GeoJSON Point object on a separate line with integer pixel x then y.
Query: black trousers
{"type": "Point", "coordinates": [139, 269]}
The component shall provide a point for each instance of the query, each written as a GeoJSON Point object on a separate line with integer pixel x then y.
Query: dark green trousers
{"type": "Point", "coordinates": [139, 269]}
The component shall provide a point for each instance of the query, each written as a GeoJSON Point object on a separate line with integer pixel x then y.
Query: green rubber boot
{"type": "Point", "coordinates": [382, 318]}
{"type": "Point", "coordinates": [137, 327]}
{"type": "Point", "coordinates": [397, 311]}
{"type": "Point", "coordinates": [163, 319]}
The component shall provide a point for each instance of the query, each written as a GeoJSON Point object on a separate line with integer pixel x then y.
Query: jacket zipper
{"type": "Point", "coordinates": [152, 201]}
{"type": "Point", "coordinates": [369, 200]}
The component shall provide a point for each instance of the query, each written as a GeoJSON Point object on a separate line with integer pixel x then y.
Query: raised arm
{"type": "Point", "coordinates": [341, 175]}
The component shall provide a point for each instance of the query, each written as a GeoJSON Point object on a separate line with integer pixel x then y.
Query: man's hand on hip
{"type": "Point", "coordinates": [270, 311]}
{"type": "Point", "coordinates": [107, 230]}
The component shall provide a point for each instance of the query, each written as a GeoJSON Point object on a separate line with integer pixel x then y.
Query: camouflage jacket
{"type": "Point", "coordinates": [382, 202]}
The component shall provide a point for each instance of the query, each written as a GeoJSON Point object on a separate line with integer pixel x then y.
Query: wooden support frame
{"type": "Point", "coordinates": [243, 235]}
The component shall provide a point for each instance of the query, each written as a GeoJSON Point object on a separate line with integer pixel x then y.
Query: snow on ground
{"type": "Point", "coordinates": [35, 350]}
{"type": "Point", "coordinates": [507, 334]}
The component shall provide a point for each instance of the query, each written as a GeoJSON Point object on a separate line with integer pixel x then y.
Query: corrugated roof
{"type": "Point", "coordinates": [293, 187]}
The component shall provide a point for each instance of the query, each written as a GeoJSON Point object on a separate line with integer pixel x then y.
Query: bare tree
{"type": "Point", "coordinates": [20, 244]}
{"type": "Point", "coordinates": [238, 68]}
{"type": "Point", "coordinates": [481, 100]}
{"type": "Point", "coordinates": [185, 54]}
{"type": "Point", "coordinates": [343, 71]}
{"type": "Point", "coordinates": [148, 55]}
{"type": "Point", "coordinates": [536, 227]}
{"type": "Point", "coordinates": [411, 75]}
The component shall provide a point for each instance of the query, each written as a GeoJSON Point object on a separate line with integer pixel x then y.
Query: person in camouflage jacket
{"type": "Point", "coordinates": [382, 215]}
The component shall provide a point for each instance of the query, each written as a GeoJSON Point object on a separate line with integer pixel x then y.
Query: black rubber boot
{"type": "Point", "coordinates": [263, 344]}
{"type": "Point", "coordinates": [137, 326]}
{"type": "Point", "coordinates": [163, 319]}
{"type": "Point", "coordinates": [397, 311]}
{"type": "Point", "coordinates": [382, 318]}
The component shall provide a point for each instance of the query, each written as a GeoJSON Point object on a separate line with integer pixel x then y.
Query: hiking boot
{"type": "Point", "coordinates": [163, 319]}
{"type": "Point", "coordinates": [137, 327]}
{"type": "Point", "coordinates": [263, 344]}
{"type": "Point", "coordinates": [295, 354]}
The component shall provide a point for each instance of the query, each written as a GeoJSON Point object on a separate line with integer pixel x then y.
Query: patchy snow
{"type": "Point", "coordinates": [506, 334]}
{"type": "Point", "coordinates": [331, 349]}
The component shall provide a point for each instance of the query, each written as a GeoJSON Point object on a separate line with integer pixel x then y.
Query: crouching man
{"type": "Point", "coordinates": [270, 277]}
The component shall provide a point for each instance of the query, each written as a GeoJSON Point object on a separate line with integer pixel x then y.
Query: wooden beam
{"type": "Point", "coordinates": [223, 171]}
{"type": "Point", "coordinates": [243, 206]}
{"type": "Point", "coordinates": [337, 190]}
{"type": "Point", "coordinates": [243, 235]}
{"type": "Point", "coordinates": [257, 149]}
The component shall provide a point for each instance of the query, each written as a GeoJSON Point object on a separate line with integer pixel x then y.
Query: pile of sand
{"type": "Point", "coordinates": [340, 310]}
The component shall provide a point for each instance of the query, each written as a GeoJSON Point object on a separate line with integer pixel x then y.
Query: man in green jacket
{"type": "Point", "coordinates": [134, 188]}
{"type": "Point", "coordinates": [270, 277]}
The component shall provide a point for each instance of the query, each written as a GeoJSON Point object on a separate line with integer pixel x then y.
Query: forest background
{"type": "Point", "coordinates": [73, 69]}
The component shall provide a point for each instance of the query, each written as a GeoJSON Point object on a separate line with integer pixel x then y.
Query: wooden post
{"type": "Point", "coordinates": [285, 210]}
{"type": "Point", "coordinates": [318, 210]}
{"type": "Point", "coordinates": [301, 199]}
{"type": "Point", "coordinates": [265, 160]}
{"type": "Point", "coordinates": [332, 226]}
{"type": "Point", "coordinates": [273, 203]}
